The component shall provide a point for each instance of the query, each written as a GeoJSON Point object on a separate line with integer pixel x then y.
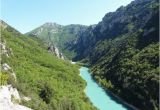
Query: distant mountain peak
{"type": "Point", "coordinates": [51, 24]}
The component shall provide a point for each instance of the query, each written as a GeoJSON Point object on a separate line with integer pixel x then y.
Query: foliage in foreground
{"type": "Point", "coordinates": [51, 83]}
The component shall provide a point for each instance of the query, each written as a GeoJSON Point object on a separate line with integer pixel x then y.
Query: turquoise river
{"type": "Point", "coordinates": [100, 98]}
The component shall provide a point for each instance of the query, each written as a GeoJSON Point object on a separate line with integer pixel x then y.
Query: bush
{"type": "Point", "coordinates": [46, 93]}
{"type": "Point", "coordinates": [3, 78]}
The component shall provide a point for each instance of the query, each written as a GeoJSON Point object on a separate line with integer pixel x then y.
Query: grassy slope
{"type": "Point", "coordinates": [50, 82]}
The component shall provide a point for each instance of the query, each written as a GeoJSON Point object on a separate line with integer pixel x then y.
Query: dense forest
{"type": "Point", "coordinates": [122, 52]}
{"type": "Point", "coordinates": [52, 84]}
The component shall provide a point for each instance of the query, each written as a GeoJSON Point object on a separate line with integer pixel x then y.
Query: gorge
{"type": "Point", "coordinates": [118, 62]}
{"type": "Point", "coordinates": [121, 51]}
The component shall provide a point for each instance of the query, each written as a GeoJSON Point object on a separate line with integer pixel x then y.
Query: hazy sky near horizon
{"type": "Point", "coordinates": [26, 15]}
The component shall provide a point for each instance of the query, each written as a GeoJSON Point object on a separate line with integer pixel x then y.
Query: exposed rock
{"type": "Point", "coordinates": [51, 24]}
{"type": "Point", "coordinates": [61, 56]}
{"type": "Point", "coordinates": [9, 96]}
{"type": "Point", "coordinates": [26, 98]}
{"type": "Point", "coordinates": [114, 24]}
{"type": "Point", "coordinates": [9, 99]}
{"type": "Point", "coordinates": [146, 32]}
{"type": "Point", "coordinates": [4, 49]}
{"type": "Point", "coordinates": [54, 50]}
{"type": "Point", "coordinates": [5, 67]}
{"type": "Point", "coordinates": [73, 62]}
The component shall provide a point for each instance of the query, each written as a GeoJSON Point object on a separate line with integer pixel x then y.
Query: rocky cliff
{"type": "Point", "coordinates": [54, 50]}
{"type": "Point", "coordinates": [125, 20]}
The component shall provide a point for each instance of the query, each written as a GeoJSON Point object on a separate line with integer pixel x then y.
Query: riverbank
{"type": "Point", "coordinates": [97, 95]}
{"type": "Point", "coordinates": [120, 99]}
{"type": "Point", "coordinates": [112, 96]}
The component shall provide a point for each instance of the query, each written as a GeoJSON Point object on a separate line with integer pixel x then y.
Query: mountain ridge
{"type": "Point", "coordinates": [59, 35]}
{"type": "Point", "coordinates": [113, 23]}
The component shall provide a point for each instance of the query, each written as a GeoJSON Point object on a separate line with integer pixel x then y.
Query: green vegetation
{"type": "Point", "coordinates": [51, 83]}
{"type": "Point", "coordinates": [123, 53]}
{"type": "Point", "coordinates": [3, 78]}
{"type": "Point", "coordinates": [129, 72]}
{"type": "Point", "coordinates": [61, 36]}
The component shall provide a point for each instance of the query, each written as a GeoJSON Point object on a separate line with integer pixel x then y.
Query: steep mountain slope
{"type": "Point", "coordinates": [122, 51]}
{"type": "Point", "coordinates": [60, 36]}
{"type": "Point", "coordinates": [52, 84]}
{"type": "Point", "coordinates": [125, 20]}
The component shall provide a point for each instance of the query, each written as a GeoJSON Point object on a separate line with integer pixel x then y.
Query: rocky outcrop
{"type": "Point", "coordinates": [9, 96]}
{"type": "Point", "coordinates": [4, 49]}
{"type": "Point", "coordinates": [10, 99]}
{"type": "Point", "coordinates": [54, 50]}
{"type": "Point", "coordinates": [6, 68]}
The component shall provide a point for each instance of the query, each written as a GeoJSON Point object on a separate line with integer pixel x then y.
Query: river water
{"type": "Point", "coordinates": [103, 100]}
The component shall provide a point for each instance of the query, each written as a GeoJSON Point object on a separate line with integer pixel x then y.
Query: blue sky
{"type": "Point", "coordinates": [25, 15]}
